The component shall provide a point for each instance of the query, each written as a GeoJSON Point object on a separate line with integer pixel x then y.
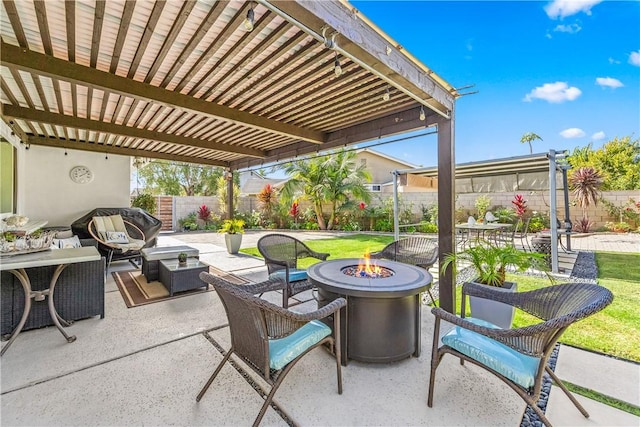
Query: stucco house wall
{"type": "Point", "coordinates": [45, 190]}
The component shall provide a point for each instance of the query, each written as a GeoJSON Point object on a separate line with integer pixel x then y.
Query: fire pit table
{"type": "Point", "coordinates": [382, 317]}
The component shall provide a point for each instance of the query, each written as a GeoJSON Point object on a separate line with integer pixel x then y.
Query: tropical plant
{"type": "Point", "coordinates": [586, 183]}
{"type": "Point", "coordinates": [482, 203]}
{"type": "Point", "coordinates": [232, 226]}
{"type": "Point", "coordinates": [204, 214]}
{"type": "Point", "coordinates": [491, 261]}
{"type": "Point", "coordinates": [519, 205]}
{"type": "Point", "coordinates": [618, 162]}
{"type": "Point", "coordinates": [182, 257]}
{"type": "Point", "coordinates": [145, 201]}
{"type": "Point", "coordinates": [267, 198]}
{"type": "Point", "coordinates": [529, 137]}
{"type": "Point", "coordinates": [331, 179]}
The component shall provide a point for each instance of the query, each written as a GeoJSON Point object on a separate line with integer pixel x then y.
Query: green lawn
{"type": "Point", "coordinates": [614, 331]}
{"type": "Point", "coordinates": [343, 247]}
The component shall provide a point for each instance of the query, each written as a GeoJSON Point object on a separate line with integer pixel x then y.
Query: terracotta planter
{"type": "Point", "coordinates": [498, 313]}
{"type": "Point", "coordinates": [233, 242]}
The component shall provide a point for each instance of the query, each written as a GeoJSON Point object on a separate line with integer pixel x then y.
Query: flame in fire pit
{"type": "Point", "coordinates": [368, 269]}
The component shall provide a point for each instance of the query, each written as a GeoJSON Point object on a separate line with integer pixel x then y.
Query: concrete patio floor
{"type": "Point", "coordinates": [145, 365]}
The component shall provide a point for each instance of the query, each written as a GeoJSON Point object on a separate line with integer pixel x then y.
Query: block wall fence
{"type": "Point", "coordinates": [536, 201]}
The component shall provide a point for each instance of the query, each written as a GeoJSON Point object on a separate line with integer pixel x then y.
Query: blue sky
{"type": "Point", "coordinates": [567, 70]}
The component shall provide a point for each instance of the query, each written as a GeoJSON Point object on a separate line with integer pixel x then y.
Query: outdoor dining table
{"type": "Point", "coordinates": [481, 229]}
{"type": "Point", "coordinates": [61, 258]}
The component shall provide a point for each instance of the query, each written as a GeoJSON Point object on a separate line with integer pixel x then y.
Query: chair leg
{"type": "Point", "coordinates": [213, 376]}
{"type": "Point", "coordinates": [433, 300]}
{"type": "Point", "coordinates": [109, 257]}
{"type": "Point", "coordinates": [435, 360]}
{"type": "Point", "coordinates": [571, 397]}
{"type": "Point", "coordinates": [337, 349]}
{"type": "Point", "coordinates": [285, 296]}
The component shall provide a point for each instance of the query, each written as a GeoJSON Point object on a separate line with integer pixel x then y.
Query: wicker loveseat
{"type": "Point", "coordinates": [79, 294]}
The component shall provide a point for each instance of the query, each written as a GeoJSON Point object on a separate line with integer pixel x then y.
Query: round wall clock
{"type": "Point", "coordinates": [81, 174]}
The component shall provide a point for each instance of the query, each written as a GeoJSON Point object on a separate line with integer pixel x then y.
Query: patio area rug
{"type": "Point", "coordinates": [136, 291]}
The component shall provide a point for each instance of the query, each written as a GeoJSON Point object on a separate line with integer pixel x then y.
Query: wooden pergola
{"type": "Point", "coordinates": [187, 81]}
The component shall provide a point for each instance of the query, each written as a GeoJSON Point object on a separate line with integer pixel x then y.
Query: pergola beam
{"type": "Point", "coordinates": [55, 68]}
{"type": "Point", "coordinates": [358, 38]}
{"type": "Point", "coordinates": [400, 122]}
{"type": "Point", "coordinates": [29, 114]}
{"type": "Point", "coordinates": [109, 149]}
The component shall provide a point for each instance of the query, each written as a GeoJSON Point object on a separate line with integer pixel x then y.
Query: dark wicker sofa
{"type": "Point", "coordinates": [79, 294]}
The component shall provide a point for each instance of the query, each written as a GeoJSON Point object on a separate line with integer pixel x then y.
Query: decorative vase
{"type": "Point", "coordinates": [498, 313]}
{"type": "Point", "coordinates": [233, 242]}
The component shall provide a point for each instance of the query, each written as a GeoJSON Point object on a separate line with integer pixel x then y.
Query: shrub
{"type": "Point", "coordinates": [538, 222]}
{"type": "Point", "coordinates": [482, 203]}
{"type": "Point", "coordinates": [383, 225]}
{"type": "Point", "coordinates": [427, 227]}
{"type": "Point", "coordinates": [583, 225]}
{"type": "Point", "coordinates": [188, 223]}
{"type": "Point", "coordinates": [145, 201]}
{"type": "Point", "coordinates": [618, 227]}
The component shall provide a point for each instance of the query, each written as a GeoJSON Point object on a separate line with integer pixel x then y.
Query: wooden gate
{"type": "Point", "coordinates": [164, 212]}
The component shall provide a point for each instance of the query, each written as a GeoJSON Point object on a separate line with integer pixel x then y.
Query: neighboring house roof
{"type": "Point", "coordinates": [407, 165]}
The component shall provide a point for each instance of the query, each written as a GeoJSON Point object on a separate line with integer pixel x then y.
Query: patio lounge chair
{"type": "Point", "coordinates": [271, 339]}
{"type": "Point", "coordinates": [418, 251]}
{"type": "Point", "coordinates": [117, 236]}
{"type": "Point", "coordinates": [281, 254]}
{"type": "Point", "coordinates": [517, 356]}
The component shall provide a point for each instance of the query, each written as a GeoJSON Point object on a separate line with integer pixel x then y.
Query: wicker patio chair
{"type": "Point", "coordinates": [281, 254]}
{"type": "Point", "coordinates": [117, 236]}
{"type": "Point", "coordinates": [518, 356]}
{"type": "Point", "coordinates": [271, 339]}
{"type": "Point", "coordinates": [419, 251]}
{"type": "Point", "coordinates": [522, 228]}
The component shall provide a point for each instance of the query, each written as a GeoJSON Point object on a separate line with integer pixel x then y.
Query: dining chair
{"type": "Point", "coordinates": [416, 250]}
{"type": "Point", "coordinates": [270, 339]}
{"type": "Point", "coordinates": [517, 356]}
{"type": "Point", "coordinates": [281, 254]}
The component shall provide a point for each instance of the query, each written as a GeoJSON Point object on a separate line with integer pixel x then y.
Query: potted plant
{"type": "Point", "coordinates": [182, 259]}
{"type": "Point", "coordinates": [233, 238]}
{"type": "Point", "coordinates": [490, 263]}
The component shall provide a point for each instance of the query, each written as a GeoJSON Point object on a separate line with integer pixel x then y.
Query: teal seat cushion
{"type": "Point", "coordinates": [516, 366]}
{"type": "Point", "coordinates": [284, 350]}
{"type": "Point", "coordinates": [295, 274]}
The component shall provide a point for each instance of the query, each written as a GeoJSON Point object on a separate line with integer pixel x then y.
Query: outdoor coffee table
{"type": "Point", "coordinates": [382, 317]}
{"type": "Point", "coordinates": [151, 258]}
{"type": "Point", "coordinates": [177, 278]}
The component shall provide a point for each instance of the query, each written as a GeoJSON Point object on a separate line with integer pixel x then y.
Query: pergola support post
{"type": "Point", "coordinates": [446, 209]}
{"type": "Point", "coordinates": [230, 194]}
{"type": "Point", "coordinates": [553, 211]}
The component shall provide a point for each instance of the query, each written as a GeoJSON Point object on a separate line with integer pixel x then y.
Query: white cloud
{"type": "Point", "coordinates": [598, 136]}
{"type": "Point", "coordinates": [572, 133]}
{"type": "Point", "coordinates": [609, 82]}
{"type": "Point", "coordinates": [613, 61]}
{"type": "Point", "coordinates": [554, 92]}
{"type": "Point", "coordinates": [563, 8]}
{"type": "Point", "coordinates": [634, 58]}
{"type": "Point", "coordinates": [571, 29]}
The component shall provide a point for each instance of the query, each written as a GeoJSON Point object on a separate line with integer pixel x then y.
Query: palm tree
{"type": "Point", "coordinates": [346, 180]}
{"type": "Point", "coordinates": [327, 179]}
{"type": "Point", "coordinates": [529, 137]}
